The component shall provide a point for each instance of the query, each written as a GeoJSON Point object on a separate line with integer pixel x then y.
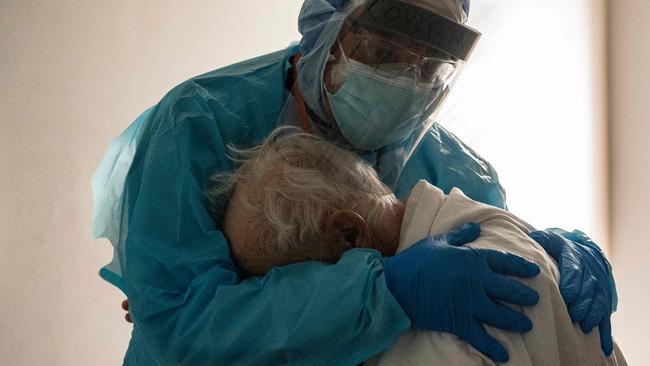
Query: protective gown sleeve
{"type": "Point", "coordinates": [445, 161]}
{"type": "Point", "coordinates": [187, 301]}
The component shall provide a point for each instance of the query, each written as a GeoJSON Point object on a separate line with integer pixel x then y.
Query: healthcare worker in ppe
{"type": "Point", "coordinates": [368, 75]}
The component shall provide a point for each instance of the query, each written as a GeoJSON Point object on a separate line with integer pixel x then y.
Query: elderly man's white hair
{"type": "Point", "coordinates": [293, 181]}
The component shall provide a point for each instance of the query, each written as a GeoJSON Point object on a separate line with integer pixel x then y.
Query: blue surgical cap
{"type": "Point", "coordinates": [319, 23]}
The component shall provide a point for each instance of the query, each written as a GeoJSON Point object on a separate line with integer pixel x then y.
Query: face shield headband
{"type": "Point", "coordinates": [420, 25]}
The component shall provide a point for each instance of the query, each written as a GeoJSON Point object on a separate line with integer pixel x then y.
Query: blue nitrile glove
{"type": "Point", "coordinates": [446, 287]}
{"type": "Point", "coordinates": [586, 281]}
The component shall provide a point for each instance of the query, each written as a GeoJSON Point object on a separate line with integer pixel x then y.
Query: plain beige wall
{"type": "Point", "coordinates": [630, 172]}
{"type": "Point", "coordinates": [73, 74]}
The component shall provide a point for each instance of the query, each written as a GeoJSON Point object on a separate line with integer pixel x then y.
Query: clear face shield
{"type": "Point", "coordinates": [389, 70]}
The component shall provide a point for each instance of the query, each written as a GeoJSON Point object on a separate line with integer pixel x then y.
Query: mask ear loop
{"type": "Point", "coordinates": [343, 59]}
{"type": "Point", "coordinates": [337, 76]}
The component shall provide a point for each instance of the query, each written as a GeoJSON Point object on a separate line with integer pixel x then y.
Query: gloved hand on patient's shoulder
{"type": "Point", "coordinates": [444, 286]}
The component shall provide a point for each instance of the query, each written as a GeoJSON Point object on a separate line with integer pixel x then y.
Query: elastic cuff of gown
{"type": "Point", "coordinates": [399, 328]}
{"type": "Point", "coordinates": [365, 355]}
{"type": "Point", "coordinates": [112, 278]}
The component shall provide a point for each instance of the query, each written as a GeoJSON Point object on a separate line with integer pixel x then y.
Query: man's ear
{"type": "Point", "coordinates": [347, 228]}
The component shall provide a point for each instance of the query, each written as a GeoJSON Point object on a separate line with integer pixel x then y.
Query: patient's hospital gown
{"type": "Point", "coordinates": [554, 340]}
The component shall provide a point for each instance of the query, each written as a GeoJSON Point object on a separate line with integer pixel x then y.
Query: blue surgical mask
{"type": "Point", "coordinates": [373, 111]}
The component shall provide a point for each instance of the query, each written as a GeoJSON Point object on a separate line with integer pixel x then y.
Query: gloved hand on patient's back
{"type": "Point", "coordinates": [443, 286]}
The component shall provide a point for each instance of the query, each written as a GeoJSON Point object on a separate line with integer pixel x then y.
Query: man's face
{"type": "Point", "coordinates": [388, 55]}
{"type": "Point", "coordinates": [381, 50]}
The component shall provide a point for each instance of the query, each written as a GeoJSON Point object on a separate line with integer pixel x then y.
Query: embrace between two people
{"type": "Point", "coordinates": [300, 198]}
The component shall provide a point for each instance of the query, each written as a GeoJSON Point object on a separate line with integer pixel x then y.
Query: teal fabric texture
{"type": "Point", "coordinates": [187, 299]}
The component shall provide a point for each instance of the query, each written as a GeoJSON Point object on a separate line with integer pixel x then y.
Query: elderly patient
{"type": "Point", "coordinates": [298, 198]}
